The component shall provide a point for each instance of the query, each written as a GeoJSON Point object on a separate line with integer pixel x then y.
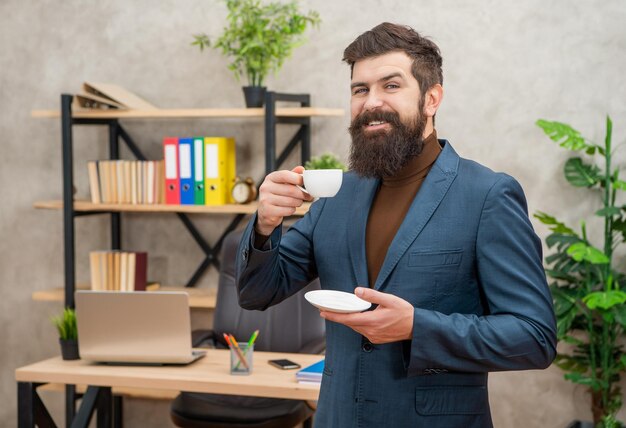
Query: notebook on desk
{"type": "Point", "coordinates": [135, 327]}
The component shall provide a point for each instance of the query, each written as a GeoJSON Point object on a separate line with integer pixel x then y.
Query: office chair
{"type": "Point", "coordinates": [291, 326]}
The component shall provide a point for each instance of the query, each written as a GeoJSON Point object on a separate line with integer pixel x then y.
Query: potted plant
{"type": "Point", "coordinates": [257, 39]}
{"type": "Point", "coordinates": [325, 161]}
{"type": "Point", "coordinates": [68, 334]}
{"type": "Point", "coordinates": [586, 287]}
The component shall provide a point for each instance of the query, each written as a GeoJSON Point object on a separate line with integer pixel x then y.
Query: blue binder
{"type": "Point", "coordinates": [186, 166]}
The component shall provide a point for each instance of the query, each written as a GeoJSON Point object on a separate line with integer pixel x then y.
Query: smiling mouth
{"type": "Point", "coordinates": [376, 124]}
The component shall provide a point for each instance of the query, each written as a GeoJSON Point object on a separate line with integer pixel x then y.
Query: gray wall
{"type": "Point", "coordinates": [506, 63]}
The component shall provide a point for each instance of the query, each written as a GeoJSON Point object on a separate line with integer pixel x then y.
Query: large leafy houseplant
{"type": "Point", "coordinates": [586, 287]}
{"type": "Point", "coordinates": [258, 38]}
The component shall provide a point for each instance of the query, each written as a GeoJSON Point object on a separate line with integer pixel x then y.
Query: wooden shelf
{"type": "Point", "coordinates": [198, 297]}
{"type": "Point", "coordinates": [190, 113]}
{"type": "Point", "coordinates": [86, 206]}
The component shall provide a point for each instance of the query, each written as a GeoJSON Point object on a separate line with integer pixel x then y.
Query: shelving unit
{"type": "Point", "coordinates": [72, 209]}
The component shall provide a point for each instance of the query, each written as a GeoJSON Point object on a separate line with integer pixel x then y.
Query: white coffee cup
{"type": "Point", "coordinates": [322, 183]}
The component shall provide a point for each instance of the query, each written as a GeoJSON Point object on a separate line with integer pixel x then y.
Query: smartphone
{"type": "Point", "coordinates": [284, 364]}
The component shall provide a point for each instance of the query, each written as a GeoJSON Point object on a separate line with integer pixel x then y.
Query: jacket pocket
{"type": "Point", "coordinates": [451, 400]}
{"type": "Point", "coordinates": [435, 258]}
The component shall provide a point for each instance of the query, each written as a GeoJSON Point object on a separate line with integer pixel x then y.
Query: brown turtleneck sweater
{"type": "Point", "coordinates": [392, 202]}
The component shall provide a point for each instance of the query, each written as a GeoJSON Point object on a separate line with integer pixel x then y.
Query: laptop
{"type": "Point", "coordinates": [135, 327]}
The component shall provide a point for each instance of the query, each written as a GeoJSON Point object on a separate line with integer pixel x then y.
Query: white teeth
{"type": "Point", "coordinates": [376, 122]}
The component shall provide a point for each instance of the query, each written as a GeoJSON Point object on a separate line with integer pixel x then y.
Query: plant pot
{"type": "Point", "coordinates": [69, 349]}
{"type": "Point", "coordinates": [255, 95]}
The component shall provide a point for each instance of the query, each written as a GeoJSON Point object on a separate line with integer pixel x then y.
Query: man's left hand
{"type": "Point", "coordinates": [391, 321]}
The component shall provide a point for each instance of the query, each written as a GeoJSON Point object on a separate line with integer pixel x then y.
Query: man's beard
{"type": "Point", "coordinates": [383, 153]}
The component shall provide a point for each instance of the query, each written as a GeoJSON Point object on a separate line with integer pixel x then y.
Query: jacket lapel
{"type": "Point", "coordinates": [428, 198]}
{"type": "Point", "coordinates": [365, 191]}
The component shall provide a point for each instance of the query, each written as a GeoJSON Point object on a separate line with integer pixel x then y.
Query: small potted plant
{"type": "Point", "coordinates": [258, 38]}
{"type": "Point", "coordinates": [325, 161]}
{"type": "Point", "coordinates": [68, 334]}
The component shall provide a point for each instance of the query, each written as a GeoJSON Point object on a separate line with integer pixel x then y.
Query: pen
{"type": "Point", "coordinates": [252, 338]}
{"type": "Point", "coordinates": [238, 351]}
{"type": "Point", "coordinates": [227, 339]}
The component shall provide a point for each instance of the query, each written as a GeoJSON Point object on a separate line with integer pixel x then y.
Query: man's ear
{"type": "Point", "coordinates": [433, 99]}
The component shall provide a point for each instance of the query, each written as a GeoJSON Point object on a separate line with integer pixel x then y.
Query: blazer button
{"type": "Point", "coordinates": [244, 254]}
{"type": "Point", "coordinates": [367, 347]}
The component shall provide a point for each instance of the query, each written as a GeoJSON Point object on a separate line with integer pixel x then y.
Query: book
{"type": "Point", "coordinates": [109, 95]}
{"type": "Point", "coordinates": [94, 182]}
{"type": "Point", "coordinates": [94, 264]}
{"type": "Point", "coordinates": [117, 270]}
{"type": "Point", "coordinates": [92, 101]}
{"type": "Point", "coordinates": [311, 374]}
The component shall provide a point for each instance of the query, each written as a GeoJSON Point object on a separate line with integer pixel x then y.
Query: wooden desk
{"type": "Point", "coordinates": [209, 374]}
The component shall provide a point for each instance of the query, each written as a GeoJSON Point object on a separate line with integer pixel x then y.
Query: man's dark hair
{"type": "Point", "coordinates": [387, 37]}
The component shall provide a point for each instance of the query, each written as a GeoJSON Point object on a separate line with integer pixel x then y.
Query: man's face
{"type": "Point", "coordinates": [387, 124]}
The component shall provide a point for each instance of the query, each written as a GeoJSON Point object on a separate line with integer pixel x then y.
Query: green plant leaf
{"type": "Point", "coordinates": [619, 312]}
{"type": "Point", "coordinates": [562, 240]}
{"type": "Point", "coordinates": [609, 212]}
{"type": "Point", "coordinates": [604, 299]}
{"type": "Point", "coordinates": [325, 161]}
{"type": "Point", "coordinates": [569, 363]}
{"type": "Point", "coordinates": [202, 41]}
{"type": "Point", "coordinates": [554, 225]}
{"type": "Point", "coordinates": [581, 251]}
{"type": "Point", "coordinates": [572, 340]}
{"type": "Point", "coordinates": [619, 225]}
{"type": "Point", "coordinates": [66, 324]}
{"type": "Point", "coordinates": [585, 380]}
{"type": "Point", "coordinates": [619, 184]}
{"type": "Point", "coordinates": [563, 134]}
{"type": "Point", "coordinates": [580, 174]}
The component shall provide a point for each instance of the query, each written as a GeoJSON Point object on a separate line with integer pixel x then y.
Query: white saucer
{"type": "Point", "coordinates": [336, 301]}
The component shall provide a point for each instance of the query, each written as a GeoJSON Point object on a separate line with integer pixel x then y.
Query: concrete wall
{"type": "Point", "coordinates": [506, 63]}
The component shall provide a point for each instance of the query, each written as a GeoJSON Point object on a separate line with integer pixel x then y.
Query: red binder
{"type": "Point", "coordinates": [172, 181]}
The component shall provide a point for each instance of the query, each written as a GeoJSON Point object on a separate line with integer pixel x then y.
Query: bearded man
{"type": "Point", "coordinates": [441, 246]}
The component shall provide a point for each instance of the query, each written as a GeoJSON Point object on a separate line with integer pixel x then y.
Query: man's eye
{"type": "Point", "coordinates": [392, 86]}
{"type": "Point", "coordinates": [358, 91]}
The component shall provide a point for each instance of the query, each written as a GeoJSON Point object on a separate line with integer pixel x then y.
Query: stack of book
{"type": "Point", "coordinates": [199, 170]}
{"type": "Point", "coordinates": [311, 374]}
{"type": "Point", "coordinates": [118, 270]}
{"type": "Point", "coordinates": [126, 182]}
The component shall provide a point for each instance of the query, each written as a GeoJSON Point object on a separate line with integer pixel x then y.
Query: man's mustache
{"type": "Point", "coordinates": [372, 116]}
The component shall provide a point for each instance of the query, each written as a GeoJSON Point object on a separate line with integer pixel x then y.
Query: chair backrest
{"type": "Point", "coordinates": [293, 325]}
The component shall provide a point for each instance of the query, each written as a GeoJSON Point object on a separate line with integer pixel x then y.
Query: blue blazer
{"type": "Point", "coordinates": [466, 257]}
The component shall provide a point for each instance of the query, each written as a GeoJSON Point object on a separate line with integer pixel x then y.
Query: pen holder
{"type": "Point", "coordinates": [241, 359]}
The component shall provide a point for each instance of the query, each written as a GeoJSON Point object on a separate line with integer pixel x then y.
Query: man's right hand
{"type": "Point", "coordinates": [278, 198]}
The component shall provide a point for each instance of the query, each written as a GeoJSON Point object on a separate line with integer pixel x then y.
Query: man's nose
{"type": "Point", "coordinates": [373, 101]}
